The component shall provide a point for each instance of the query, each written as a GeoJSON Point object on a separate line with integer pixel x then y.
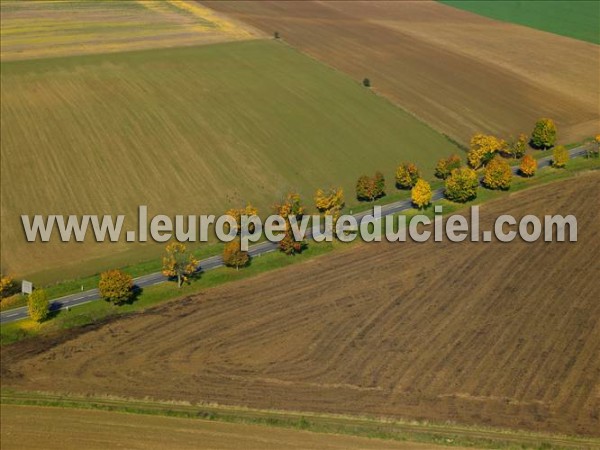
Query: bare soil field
{"type": "Point", "coordinates": [458, 71]}
{"type": "Point", "coordinates": [492, 334]}
{"type": "Point", "coordinates": [31, 428]}
{"type": "Point", "coordinates": [41, 29]}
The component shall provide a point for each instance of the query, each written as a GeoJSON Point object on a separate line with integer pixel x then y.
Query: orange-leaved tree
{"type": "Point", "coordinates": [370, 188]}
{"type": "Point", "coordinates": [497, 174]}
{"type": "Point", "coordinates": [178, 263]}
{"type": "Point", "coordinates": [234, 256]}
{"type": "Point", "coordinates": [528, 166]}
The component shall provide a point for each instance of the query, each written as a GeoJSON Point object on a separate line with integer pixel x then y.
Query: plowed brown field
{"type": "Point", "coordinates": [460, 72]}
{"type": "Point", "coordinates": [497, 334]}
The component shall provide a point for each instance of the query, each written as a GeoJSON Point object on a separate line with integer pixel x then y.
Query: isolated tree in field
{"type": "Point", "coordinates": [276, 35]}
{"type": "Point", "coordinates": [178, 263]}
{"type": "Point", "coordinates": [330, 202]}
{"type": "Point", "coordinates": [38, 305]}
{"type": "Point", "coordinates": [421, 194]}
{"type": "Point", "coordinates": [237, 214]}
{"type": "Point", "coordinates": [544, 134]}
{"type": "Point", "coordinates": [497, 174]}
{"type": "Point", "coordinates": [407, 175]}
{"type": "Point", "coordinates": [483, 149]}
{"type": "Point", "coordinates": [560, 156]}
{"type": "Point", "coordinates": [461, 185]}
{"type": "Point", "coordinates": [370, 188]}
{"type": "Point", "coordinates": [116, 286]}
{"type": "Point", "coordinates": [518, 148]}
{"type": "Point", "coordinates": [291, 206]}
{"type": "Point", "coordinates": [528, 166]}
{"type": "Point", "coordinates": [234, 256]}
{"type": "Point", "coordinates": [447, 165]}
{"type": "Point", "coordinates": [367, 83]}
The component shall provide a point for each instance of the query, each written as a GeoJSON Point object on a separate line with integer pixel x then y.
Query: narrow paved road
{"type": "Point", "coordinates": [213, 262]}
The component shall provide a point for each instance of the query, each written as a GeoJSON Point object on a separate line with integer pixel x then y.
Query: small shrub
{"type": "Point", "coordinates": [367, 83]}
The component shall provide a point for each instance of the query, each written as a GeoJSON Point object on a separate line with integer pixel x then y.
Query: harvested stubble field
{"type": "Point", "coordinates": [460, 72]}
{"type": "Point", "coordinates": [503, 334]}
{"type": "Point", "coordinates": [41, 29]}
{"type": "Point", "coordinates": [193, 130]}
{"type": "Point", "coordinates": [32, 428]}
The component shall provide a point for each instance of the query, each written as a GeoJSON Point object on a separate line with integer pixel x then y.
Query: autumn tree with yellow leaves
{"type": "Point", "coordinates": [461, 185]}
{"type": "Point", "coordinates": [483, 149]}
{"type": "Point", "coordinates": [560, 156]}
{"type": "Point", "coordinates": [330, 202]}
{"type": "Point", "coordinates": [544, 134]}
{"type": "Point", "coordinates": [8, 286]}
{"type": "Point", "coordinates": [421, 194]}
{"type": "Point", "coordinates": [407, 175]}
{"type": "Point", "coordinates": [497, 174]}
{"type": "Point", "coordinates": [178, 263]}
{"type": "Point", "coordinates": [116, 286]}
{"type": "Point", "coordinates": [38, 305]}
{"type": "Point", "coordinates": [237, 214]}
{"type": "Point", "coordinates": [234, 256]}
{"type": "Point", "coordinates": [528, 166]}
{"type": "Point", "coordinates": [291, 206]}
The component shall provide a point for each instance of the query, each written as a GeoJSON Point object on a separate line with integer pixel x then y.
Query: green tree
{"type": "Point", "coordinates": [544, 134]}
{"type": "Point", "coordinates": [116, 286]}
{"type": "Point", "coordinates": [446, 165]}
{"type": "Point", "coordinates": [560, 156]}
{"type": "Point", "coordinates": [38, 305]}
{"type": "Point", "coordinates": [367, 83]}
{"type": "Point", "coordinates": [407, 175]}
{"type": "Point", "coordinates": [461, 185]}
{"type": "Point", "coordinates": [517, 148]}
{"type": "Point", "coordinates": [497, 174]}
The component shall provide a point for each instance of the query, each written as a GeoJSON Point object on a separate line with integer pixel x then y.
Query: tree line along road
{"type": "Point", "coordinates": [213, 262]}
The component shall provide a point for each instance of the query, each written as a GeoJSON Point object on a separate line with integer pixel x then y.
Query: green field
{"type": "Point", "coordinates": [572, 18]}
{"type": "Point", "coordinates": [191, 130]}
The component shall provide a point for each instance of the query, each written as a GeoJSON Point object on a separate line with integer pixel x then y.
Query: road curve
{"type": "Point", "coordinates": [80, 298]}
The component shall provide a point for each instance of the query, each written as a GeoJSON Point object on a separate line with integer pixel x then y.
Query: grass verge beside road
{"type": "Point", "coordinates": [372, 427]}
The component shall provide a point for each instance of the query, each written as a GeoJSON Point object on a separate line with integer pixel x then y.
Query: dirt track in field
{"type": "Point", "coordinates": [457, 71]}
{"type": "Point", "coordinates": [495, 334]}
